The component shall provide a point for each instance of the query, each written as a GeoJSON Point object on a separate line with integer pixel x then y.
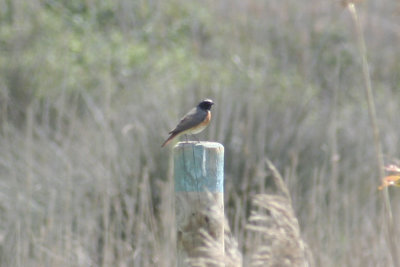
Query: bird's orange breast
{"type": "Point", "coordinates": [201, 126]}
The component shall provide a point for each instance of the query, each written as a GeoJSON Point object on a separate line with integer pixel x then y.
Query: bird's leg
{"type": "Point", "coordinates": [195, 137]}
{"type": "Point", "coordinates": [187, 141]}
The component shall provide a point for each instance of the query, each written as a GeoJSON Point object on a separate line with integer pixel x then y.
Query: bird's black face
{"type": "Point", "coordinates": [206, 104]}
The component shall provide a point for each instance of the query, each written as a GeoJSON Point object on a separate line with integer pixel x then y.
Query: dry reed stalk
{"type": "Point", "coordinates": [273, 221]}
{"type": "Point", "coordinates": [374, 124]}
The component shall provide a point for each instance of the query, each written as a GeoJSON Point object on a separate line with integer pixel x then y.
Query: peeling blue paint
{"type": "Point", "coordinates": [199, 167]}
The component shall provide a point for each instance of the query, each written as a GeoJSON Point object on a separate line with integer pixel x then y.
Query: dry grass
{"type": "Point", "coordinates": [77, 190]}
{"type": "Point", "coordinates": [276, 238]}
{"type": "Point", "coordinates": [277, 230]}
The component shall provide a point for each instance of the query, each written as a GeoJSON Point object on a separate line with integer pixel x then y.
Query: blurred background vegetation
{"type": "Point", "coordinates": [89, 90]}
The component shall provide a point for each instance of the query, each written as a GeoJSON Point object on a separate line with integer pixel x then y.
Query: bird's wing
{"type": "Point", "coordinates": [191, 119]}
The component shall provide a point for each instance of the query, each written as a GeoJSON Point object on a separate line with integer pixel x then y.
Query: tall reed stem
{"type": "Point", "coordinates": [372, 115]}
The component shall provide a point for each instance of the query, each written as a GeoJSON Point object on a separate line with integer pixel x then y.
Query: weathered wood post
{"type": "Point", "coordinates": [199, 197]}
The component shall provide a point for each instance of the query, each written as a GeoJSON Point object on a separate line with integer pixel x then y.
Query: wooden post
{"type": "Point", "coordinates": [199, 197]}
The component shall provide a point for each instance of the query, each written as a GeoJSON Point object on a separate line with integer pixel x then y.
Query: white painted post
{"type": "Point", "coordinates": [199, 197]}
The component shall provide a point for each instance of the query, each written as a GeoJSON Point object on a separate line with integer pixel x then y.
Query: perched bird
{"type": "Point", "coordinates": [193, 122]}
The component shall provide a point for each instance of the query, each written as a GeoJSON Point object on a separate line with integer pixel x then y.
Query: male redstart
{"type": "Point", "coordinates": [193, 122]}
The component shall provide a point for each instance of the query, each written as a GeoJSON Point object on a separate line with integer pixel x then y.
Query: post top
{"type": "Point", "coordinates": [199, 167]}
{"type": "Point", "coordinates": [206, 144]}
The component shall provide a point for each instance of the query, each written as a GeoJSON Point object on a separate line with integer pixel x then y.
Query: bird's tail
{"type": "Point", "coordinates": [172, 136]}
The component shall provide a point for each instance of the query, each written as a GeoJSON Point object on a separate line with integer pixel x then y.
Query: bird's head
{"type": "Point", "coordinates": [206, 104]}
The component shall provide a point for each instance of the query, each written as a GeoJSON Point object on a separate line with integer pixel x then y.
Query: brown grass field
{"type": "Point", "coordinates": [89, 90]}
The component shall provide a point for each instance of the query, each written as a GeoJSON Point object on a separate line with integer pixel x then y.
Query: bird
{"type": "Point", "coordinates": [195, 121]}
